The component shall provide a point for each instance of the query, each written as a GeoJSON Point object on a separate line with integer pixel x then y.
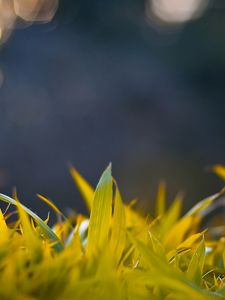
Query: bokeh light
{"type": "Point", "coordinates": [175, 11]}
{"type": "Point", "coordinates": [7, 18]}
{"type": "Point", "coordinates": [25, 10]}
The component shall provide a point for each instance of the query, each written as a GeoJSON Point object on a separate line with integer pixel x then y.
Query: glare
{"type": "Point", "coordinates": [176, 11]}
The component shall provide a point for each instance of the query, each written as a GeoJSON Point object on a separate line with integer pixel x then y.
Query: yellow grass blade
{"type": "Point", "coordinates": [171, 216]}
{"type": "Point", "coordinates": [185, 245]}
{"type": "Point", "coordinates": [50, 203]}
{"type": "Point", "coordinates": [46, 229]}
{"type": "Point", "coordinates": [84, 187]}
{"type": "Point", "coordinates": [133, 218]}
{"type": "Point", "coordinates": [220, 171]}
{"type": "Point", "coordinates": [118, 236]}
{"type": "Point", "coordinates": [178, 232]}
{"type": "Point", "coordinates": [4, 232]}
{"type": "Point", "coordinates": [191, 240]}
{"type": "Point", "coordinates": [195, 268]}
{"type": "Point", "coordinates": [170, 278]}
{"type": "Point", "coordinates": [199, 208]}
{"type": "Point", "coordinates": [115, 254]}
{"type": "Point", "coordinates": [31, 240]}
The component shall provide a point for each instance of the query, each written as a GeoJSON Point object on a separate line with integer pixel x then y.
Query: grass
{"type": "Point", "coordinates": [115, 253]}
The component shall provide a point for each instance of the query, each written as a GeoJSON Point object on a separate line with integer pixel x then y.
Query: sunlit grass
{"type": "Point", "coordinates": [115, 253]}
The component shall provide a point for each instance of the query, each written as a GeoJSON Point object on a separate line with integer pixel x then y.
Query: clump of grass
{"type": "Point", "coordinates": [115, 253]}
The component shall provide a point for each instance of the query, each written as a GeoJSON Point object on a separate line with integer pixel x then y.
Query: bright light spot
{"type": "Point", "coordinates": [47, 10]}
{"type": "Point", "coordinates": [176, 11]}
{"type": "Point", "coordinates": [7, 15]}
{"type": "Point", "coordinates": [7, 18]}
{"type": "Point", "coordinates": [83, 227]}
{"type": "Point", "coordinates": [35, 10]}
{"type": "Point", "coordinates": [27, 10]}
{"type": "Point", "coordinates": [208, 250]}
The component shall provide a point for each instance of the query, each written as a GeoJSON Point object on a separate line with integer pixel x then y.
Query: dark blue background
{"type": "Point", "coordinates": [99, 84]}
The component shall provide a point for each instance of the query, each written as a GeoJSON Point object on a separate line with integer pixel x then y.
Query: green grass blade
{"type": "Point", "coordinates": [118, 237]}
{"type": "Point", "coordinates": [199, 208]}
{"type": "Point", "coordinates": [195, 268]}
{"type": "Point", "coordinates": [46, 229]}
{"type": "Point", "coordinates": [101, 213]}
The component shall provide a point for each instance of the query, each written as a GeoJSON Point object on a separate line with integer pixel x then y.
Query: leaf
{"type": "Point", "coordinates": [118, 236]}
{"type": "Point", "coordinates": [101, 213]}
{"type": "Point", "coordinates": [178, 232]}
{"type": "Point", "coordinates": [169, 278]}
{"type": "Point", "coordinates": [31, 240]}
{"type": "Point", "coordinates": [220, 171]}
{"type": "Point", "coordinates": [170, 217]}
{"type": "Point", "coordinates": [51, 204]}
{"type": "Point", "coordinates": [57, 245]}
{"type": "Point", "coordinates": [195, 268]}
{"type": "Point", "coordinates": [84, 187]}
{"type": "Point", "coordinates": [198, 209]}
{"type": "Point", "coordinates": [191, 240]}
{"type": "Point", "coordinates": [4, 232]}
{"type": "Point", "coordinates": [133, 218]}
{"type": "Point", "coordinates": [156, 245]}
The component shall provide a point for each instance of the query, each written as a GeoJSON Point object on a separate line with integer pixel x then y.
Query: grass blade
{"type": "Point", "coordinates": [84, 187]}
{"type": "Point", "coordinates": [46, 229]}
{"type": "Point", "coordinates": [101, 214]}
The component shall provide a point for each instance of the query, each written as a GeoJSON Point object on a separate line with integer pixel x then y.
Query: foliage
{"type": "Point", "coordinates": [115, 253]}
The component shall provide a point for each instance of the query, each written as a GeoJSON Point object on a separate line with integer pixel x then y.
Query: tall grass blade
{"type": "Point", "coordinates": [84, 187]}
{"type": "Point", "coordinates": [101, 213]}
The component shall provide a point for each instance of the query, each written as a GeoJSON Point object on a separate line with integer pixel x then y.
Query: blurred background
{"type": "Point", "coordinates": [139, 83]}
